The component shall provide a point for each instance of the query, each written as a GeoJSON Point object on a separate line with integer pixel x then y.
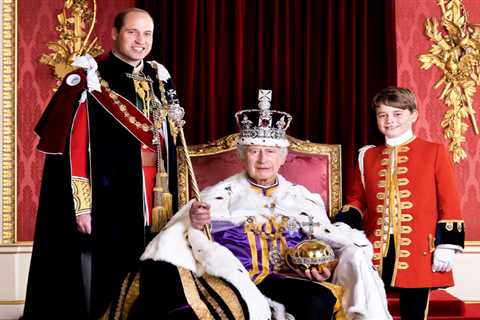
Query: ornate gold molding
{"type": "Point", "coordinates": [456, 52]}
{"type": "Point", "coordinates": [9, 87]}
{"type": "Point", "coordinates": [225, 144]}
{"type": "Point", "coordinates": [73, 40]}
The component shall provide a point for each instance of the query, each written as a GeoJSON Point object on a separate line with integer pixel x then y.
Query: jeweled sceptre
{"type": "Point", "coordinates": [176, 114]}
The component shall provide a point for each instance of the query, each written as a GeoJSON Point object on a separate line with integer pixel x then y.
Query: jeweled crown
{"type": "Point", "coordinates": [263, 126]}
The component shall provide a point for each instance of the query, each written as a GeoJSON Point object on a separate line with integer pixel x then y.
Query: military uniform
{"type": "Point", "coordinates": [405, 198]}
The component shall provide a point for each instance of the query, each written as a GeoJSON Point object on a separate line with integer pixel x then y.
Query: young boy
{"type": "Point", "coordinates": [405, 197]}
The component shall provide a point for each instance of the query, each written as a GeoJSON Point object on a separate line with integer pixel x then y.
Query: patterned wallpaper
{"type": "Point", "coordinates": [36, 27]}
{"type": "Point", "coordinates": [411, 42]}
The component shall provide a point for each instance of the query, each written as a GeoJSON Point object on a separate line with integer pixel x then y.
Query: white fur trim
{"type": "Point", "coordinates": [234, 201]}
{"type": "Point", "coordinates": [269, 142]}
{"type": "Point", "coordinates": [278, 311]}
{"type": "Point", "coordinates": [175, 232]}
{"type": "Point", "coordinates": [220, 262]}
{"type": "Point", "coordinates": [205, 256]}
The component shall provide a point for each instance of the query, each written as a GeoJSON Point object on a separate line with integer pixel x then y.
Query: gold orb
{"type": "Point", "coordinates": [310, 253]}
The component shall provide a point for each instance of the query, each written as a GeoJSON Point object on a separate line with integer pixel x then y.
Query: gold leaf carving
{"type": "Point", "coordinates": [456, 52]}
{"type": "Point", "coordinates": [74, 39]}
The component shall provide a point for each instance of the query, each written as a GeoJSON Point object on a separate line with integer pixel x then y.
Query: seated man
{"type": "Point", "coordinates": [255, 216]}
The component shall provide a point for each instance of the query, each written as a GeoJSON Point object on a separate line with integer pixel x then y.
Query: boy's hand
{"type": "Point", "coordinates": [443, 259]}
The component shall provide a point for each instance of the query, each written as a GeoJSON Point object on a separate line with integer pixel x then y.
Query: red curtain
{"type": "Point", "coordinates": [324, 61]}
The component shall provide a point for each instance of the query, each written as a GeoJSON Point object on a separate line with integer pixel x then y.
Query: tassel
{"type": "Point", "coordinates": [162, 202]}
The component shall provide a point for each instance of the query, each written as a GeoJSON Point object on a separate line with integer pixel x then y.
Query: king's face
{"type": "Point", "coordinates": [262, 163]}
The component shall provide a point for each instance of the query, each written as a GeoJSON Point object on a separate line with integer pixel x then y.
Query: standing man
{"type": "Point", "coordinates": [106, 135]}
{"type": "Point", "coordinates": [405, 197]}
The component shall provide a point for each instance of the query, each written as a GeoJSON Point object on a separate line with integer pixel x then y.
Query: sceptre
{"type": "Point", "coordinates": [176, 114]}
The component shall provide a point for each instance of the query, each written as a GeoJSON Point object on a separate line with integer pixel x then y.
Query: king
{"type": "Point", "coordinates": [256, 216]}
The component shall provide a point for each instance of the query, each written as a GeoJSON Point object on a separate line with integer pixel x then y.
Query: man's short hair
{"type": "Point", "coordinates": [396, 97]}
{"type": "Point", "coordinates": [120, 17]}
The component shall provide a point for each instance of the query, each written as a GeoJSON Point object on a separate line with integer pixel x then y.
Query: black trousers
{"type": "Point", "coordinates": [413, 301]}
{"type": "Point", "coordinates": [305, 300]}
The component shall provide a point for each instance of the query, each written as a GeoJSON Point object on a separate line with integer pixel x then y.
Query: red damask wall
{"type": "Point", "coordinates": [411, 42]}
{"type": "Point", "coordinates": [36, 27]}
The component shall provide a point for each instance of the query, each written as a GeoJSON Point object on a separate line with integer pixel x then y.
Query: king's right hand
{"type": "Point", "coordinates": [199, 214]}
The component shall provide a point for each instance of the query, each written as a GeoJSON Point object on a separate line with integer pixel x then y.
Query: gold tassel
{"type": "Point", "coordinates": [162, 202]}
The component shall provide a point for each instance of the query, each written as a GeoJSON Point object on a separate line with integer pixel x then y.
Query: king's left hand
{"type": "Point", "coordinates": [317, 275]}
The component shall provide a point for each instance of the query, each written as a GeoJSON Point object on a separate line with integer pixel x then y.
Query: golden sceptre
{"type": "Point", "coordinates": [176, 114]}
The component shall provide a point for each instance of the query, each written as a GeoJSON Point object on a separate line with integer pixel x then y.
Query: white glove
{"type": "Point", "coordinates": [443, 259]}
{"type": "Point", "coordinates": [88, 63]}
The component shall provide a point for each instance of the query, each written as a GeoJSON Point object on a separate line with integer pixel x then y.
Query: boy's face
{"type": "Point", "coordinates": [393, 122]}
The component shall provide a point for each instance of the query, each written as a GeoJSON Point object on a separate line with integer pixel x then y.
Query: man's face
{"type": "Point", "coordinates": [393, 122]}
{"type": "Point", "coordinates": [134, 39]}
{"type": "Point", "coordinates": [262, 163]}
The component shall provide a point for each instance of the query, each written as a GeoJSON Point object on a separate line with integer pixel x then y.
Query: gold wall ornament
{"type": "Point", "coordinates": [456, 51]}
{"type": "Point", "coordinates": [8, 227]}
{"type": "Point", "coordinates": [73, 39]}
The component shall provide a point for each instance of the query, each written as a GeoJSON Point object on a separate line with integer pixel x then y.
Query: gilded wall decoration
{"type": "Point", "coordinates": [456, 52]}
{"type": "Point", "coordinates": [75, 27]}
{"type": "Point", "coordinates": [9, 59]}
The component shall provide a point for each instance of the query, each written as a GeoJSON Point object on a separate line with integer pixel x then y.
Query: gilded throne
{"type": "Point", "coordinates": [316, 166]}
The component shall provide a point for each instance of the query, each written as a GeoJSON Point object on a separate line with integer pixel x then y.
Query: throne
{"type": "Point", "coordinates": [315, 166]}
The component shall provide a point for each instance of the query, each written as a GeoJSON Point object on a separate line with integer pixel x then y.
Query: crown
{"type": "Point", "coordinates": [263, 126]}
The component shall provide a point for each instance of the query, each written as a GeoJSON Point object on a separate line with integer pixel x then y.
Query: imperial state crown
{"type": "Point", "coordinates": [263, 126]}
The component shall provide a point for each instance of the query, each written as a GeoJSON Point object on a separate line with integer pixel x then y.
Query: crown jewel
{"type": "Point", "coordinates": [263, 126]}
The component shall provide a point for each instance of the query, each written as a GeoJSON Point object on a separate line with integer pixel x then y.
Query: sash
{"type": "Point", "coordinates": [54, 126]}
{"type": "Point", "coordinates": [127, 114]}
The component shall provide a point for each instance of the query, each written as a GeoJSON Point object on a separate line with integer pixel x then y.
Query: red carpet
{"type": "Point", "coordinates": [443, 306]}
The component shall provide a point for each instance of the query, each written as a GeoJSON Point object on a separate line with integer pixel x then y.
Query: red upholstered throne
{"type": "Point", "coordinates": [316, 166]}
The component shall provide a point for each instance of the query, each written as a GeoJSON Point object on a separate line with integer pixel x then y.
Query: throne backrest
{"type": "Point", "coordinates": [313, 165]}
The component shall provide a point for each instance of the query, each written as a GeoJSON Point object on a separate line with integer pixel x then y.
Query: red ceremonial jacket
{"type": "Point", "coordinates": [427, 202]}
